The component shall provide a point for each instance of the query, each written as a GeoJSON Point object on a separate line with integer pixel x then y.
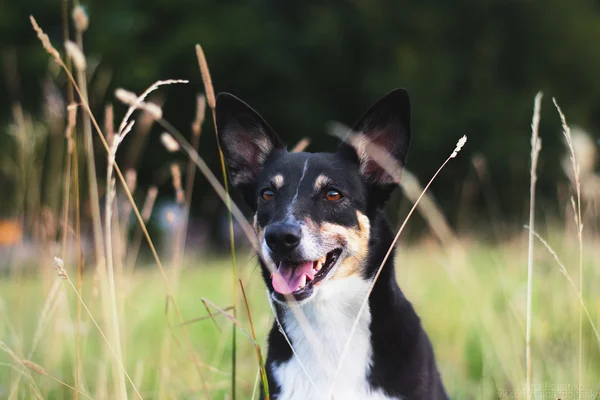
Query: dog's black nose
{"type": "Point", "coordinates": [283, 237]}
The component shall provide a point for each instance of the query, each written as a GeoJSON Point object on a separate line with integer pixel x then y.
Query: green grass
{"type": "Point", "coordinates": [473, 310]}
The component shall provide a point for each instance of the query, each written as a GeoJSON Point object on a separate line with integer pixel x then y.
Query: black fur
{"type": "Point", "coordinates": [403, 363]}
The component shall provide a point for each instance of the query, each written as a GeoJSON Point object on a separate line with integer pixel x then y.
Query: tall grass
{"type": "Point", "coordinates": [536, 146]}
{"type": "Point", "coordinates": [121, 331]}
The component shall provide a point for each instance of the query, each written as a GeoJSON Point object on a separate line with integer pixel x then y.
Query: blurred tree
{"type": "Point", "coordinates": [472, 67]}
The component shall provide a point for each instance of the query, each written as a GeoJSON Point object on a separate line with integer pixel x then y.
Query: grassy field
{"type": "Point", "coordinates": [472, 303]}
{"type": "Point", "coordinates": [165, 332]}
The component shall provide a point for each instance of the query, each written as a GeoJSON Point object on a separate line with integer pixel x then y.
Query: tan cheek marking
{"type": "Point", "coordinates": [278, 181]}
{"type": "Point", "coordinates": [259, 231]}
{"type": "Point", "coordinates": [321, 182]}
{"type": "Point", "coordinates": [356, 241]}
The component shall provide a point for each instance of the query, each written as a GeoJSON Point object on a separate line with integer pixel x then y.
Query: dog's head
{"type": "Point", "coordinates": [313, 210]}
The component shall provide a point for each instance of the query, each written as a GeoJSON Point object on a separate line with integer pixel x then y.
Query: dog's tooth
{"type": "Point", "coordinates": [318, 265]}
{"type": "Point", "coordinates": [303, 281]}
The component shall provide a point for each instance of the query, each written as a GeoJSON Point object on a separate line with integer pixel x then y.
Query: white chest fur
{"type": "Point", "coordinates": [330, 315]}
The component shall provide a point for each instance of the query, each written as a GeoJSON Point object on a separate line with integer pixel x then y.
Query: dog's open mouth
{"type": "Point", "coordinates": [299, 278]}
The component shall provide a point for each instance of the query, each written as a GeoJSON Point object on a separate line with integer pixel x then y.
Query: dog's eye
{"type": "Point", "coordinates": [267, 194]}
{"type": "Point", "coordinates": [333, 195]}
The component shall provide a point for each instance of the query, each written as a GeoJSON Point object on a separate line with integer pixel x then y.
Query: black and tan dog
{"type": "Point", "coordinates": [320, 221]}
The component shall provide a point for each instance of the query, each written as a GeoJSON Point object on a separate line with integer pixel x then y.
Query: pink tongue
{"type": "Point", "coordinates": [288, 277]}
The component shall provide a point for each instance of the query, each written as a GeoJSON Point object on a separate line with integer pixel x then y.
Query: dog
{"type": "Point", "coordinates": [321, 226]}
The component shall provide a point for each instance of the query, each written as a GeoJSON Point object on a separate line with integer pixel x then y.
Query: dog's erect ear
{"type": "Point", "coordinates": [381, 137]}
{"type": "Point", "coordinates": [245, 139]}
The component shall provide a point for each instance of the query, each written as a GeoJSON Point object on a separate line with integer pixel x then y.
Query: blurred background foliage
{"type": "Point", "coordinates": [472, 67]}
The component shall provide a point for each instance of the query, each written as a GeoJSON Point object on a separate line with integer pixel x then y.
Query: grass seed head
{"type": "Point", "coordinates": [45, 40]}
{"type": "Point", "coordinates": [34, 367]}
{"type": "Point", "coordinates": [59, 266]}
{"type": "Point", "coordinates": [459, 145]}
{"type": "Point", "coordinates": [208, 87]}
{"type": "Point", "coordinates": [80, 18]}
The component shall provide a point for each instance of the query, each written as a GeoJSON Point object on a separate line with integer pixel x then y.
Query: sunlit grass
{"type": "Point", "coordinates": [474, 313]}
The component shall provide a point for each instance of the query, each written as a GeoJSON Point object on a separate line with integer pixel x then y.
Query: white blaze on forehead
{"type": "Point", "coordinates": [295, 198]}
{"type": "Point", "coordinates": [277, 181]}
{"type": "Point", "coordinates": [321, 182]}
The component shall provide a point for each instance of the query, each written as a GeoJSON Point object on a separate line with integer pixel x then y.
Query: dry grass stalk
{"type": "Point", "coordinates": [145, 214]}
{"type": "Point", "coordinates": [131, 179]}
{"type": "Point", "coordinates": [565, 272]}
{"type": "Point", "coordinates": [375, 156]}
{"type": "Point", "coordinates": [586, 152]}
{"type": "Point", "coordinates": [84, 102]}
{"type": "Point", "coordinates": [110, 196]}
{"type": "Point", "coordinates": [71, 122]}
{"type": "Point", "coordinates": [200, 113]}
{"type": "Point", "coordinates": [50, 305]}
{"type": "Point", "coordinates": [190, 174]}
{"type": "Point", "coordinates": [76, 55]}
{"type": "Point", "coordinates": [149, 203]}
{"type": "Point", "coordinates": [125, 96]}
{"type": "Point", "coordinates": [221, 192]}
{"type": "Point", "coordinates": [168, 142]}
{"type": "Point", "coordinates": [40, 370]}
{"type": "Point", "coordinates": [186, 198]}
{"type": "Point", "coordinates": [536, 146]}
{"type": "Point", "coordinates": [109, 118]}
{"type": "Point", "coordinates": [88, 144]}
{"type": "Point", "coordinates": [142, 224]}
{"type": "Point", "coordinates": [429, 209]}
{"type": "Point", "coordinates": [73, 162]}
{"type": "Point", "coordinates": [137, 102]}
{"type": "Point", "coordinates": [132, 108]}
{"type": "Point", "coordinates": [131, 99]}
{"type": "Point", "coordinates": [579, 225]}
{"type": "Point", "coordinates": [25, 372]}
{"type": "Point", "coordinates": [261, 364]}
{"type": "Point", "coordinates": [152, 109]}
{"type": "Point", "coordinates": [301, 145]}
{"type": "Point", "coordinates": [210, 97]}
{"type": "Point", "coordinates": [176, 177]}
{"type": "Point", "coordinates": [59, 265]}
